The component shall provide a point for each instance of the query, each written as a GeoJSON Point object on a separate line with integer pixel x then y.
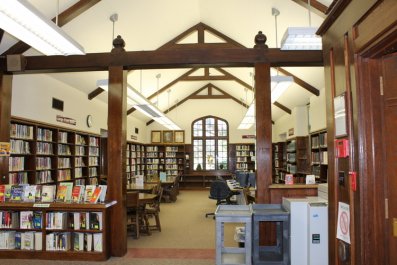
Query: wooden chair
{"type": "Point", "coordinates": [154, 210]}
{"type": "Point", "coordinates": [170, 193]}
{"type": "Point", "coordinates": [133, 218]}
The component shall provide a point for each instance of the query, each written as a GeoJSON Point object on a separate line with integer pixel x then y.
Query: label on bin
{"type": "Point", "coordinates": [316, 239]}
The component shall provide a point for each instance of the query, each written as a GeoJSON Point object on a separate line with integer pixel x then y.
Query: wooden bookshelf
{"type": "Point", "coordinates": [136, 162]}
{"type": "Point", "coordinates": [101, 252]}
{"type": "Point", "coordinates": [243, 156]}
{"type": "Point", "coordinates": [319, 156]}
{"type": "Point", "coordinates": [298, 158]}
{"type": "Point", "coordinates": [46, 154]}
{"type": "Point", "coordinates": [174, 160]}
{"type": "Point", "coordinates": [279, 161]}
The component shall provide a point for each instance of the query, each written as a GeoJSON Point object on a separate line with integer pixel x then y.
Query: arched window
{"type": "Point", "coordinates": [210, 137]}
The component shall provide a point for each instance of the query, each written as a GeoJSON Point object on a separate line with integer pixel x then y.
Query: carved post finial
{"type": "Point", "coordinates": [118, 44]}
{"type": "Point", "coordinates": [260, 40]}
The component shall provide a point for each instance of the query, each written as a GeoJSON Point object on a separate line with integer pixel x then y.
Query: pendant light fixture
{"type": "Point", "coordinates": [301, 38]}
{"type": "Point", "coordinates": [26, 23]}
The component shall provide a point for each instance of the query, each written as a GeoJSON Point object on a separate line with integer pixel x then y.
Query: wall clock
{"type": "Point", "coordinates": [89, 121]}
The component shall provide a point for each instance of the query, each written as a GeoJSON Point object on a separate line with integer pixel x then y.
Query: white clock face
{"type": "Point", "coordinates": [89, 120]}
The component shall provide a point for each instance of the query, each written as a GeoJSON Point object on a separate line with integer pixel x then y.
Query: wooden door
{"type": "Point", "coordinates": [389, 65]}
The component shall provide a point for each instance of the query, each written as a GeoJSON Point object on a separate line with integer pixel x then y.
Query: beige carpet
{"type": "Point", "coordinates": [187, 237]}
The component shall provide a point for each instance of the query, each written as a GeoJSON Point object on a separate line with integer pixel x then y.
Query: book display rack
{"type": "Point", "coordinates": [61, 231]}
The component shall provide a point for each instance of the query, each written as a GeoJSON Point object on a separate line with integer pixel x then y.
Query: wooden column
{"type": "Point", "coordinates": [5, 117]}
{"type": "Point", "coordinates": [116, 162]}
{"type": "Point", "coordinates": [263, 132]}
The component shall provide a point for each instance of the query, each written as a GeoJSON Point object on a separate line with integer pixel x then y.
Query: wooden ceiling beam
{"type": "Point", "coordinates": [181, 102]}
{"type": "Point", "coordinates": [170, 84]}
{"type": "Point", "coordinates": [1, 34]}
{"type": "Point", "coordinates": [281, 106]}
{"type": "Point", "coordinates": [200, 28]}
{"type": "Point", "coordinates": [131, 110]}
{"type": "Point", "coordinates": [231, 97]}
{"type": "Point", "coordinates": [210, 97]}
{"type": "Point", "coordinates": [165, 59]}
{"type": "Point", "coordinates": [316, 7]}
{"type": "Point", "coordinates": [232, 77]}
{"type": "Point", "coordinates": [95, 93]}
{"type": "Point", "coordinates": [63, 18]}
{"type": "Point", "coordinates": [300, 82]}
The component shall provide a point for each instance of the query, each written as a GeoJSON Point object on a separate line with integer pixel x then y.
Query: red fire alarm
{"type": "Point", "coordinates": [341, 148]}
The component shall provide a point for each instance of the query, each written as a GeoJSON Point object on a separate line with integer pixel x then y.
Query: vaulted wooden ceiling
{"type": "Point", "coordinates": [205, 77]}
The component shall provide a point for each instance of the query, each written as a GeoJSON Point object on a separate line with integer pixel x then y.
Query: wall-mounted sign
{"type": "Point", "coordinates": [66, 120]}
{"type": "Point", "coordinates": [249, 136]}
{"type": "Point", "coordinates": [291, 132]}
{"type": "Point", "coordinates": [134, 137]}
{"type": "Point", "coordinates": [343, 230]}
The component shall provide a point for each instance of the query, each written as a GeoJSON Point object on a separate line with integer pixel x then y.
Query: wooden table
{"type": "Point", "coordinates": [145, 188]}
{"type": "Point", "coordinates": [145, 198]}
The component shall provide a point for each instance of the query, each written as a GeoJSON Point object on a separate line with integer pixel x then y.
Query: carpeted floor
{"type": "Point", "coordinates": [187, 237]}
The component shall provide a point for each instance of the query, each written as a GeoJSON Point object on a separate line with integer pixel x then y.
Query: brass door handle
{"type": "Point", "coordinates": [395, 227]}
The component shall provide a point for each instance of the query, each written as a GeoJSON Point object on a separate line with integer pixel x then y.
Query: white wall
{"type": "Point", "coordinates": [226, 109]}
{"type": "Point", "coordinates": [32, 99]}
{"type": "Point", "coordinates": [299, 119]}
{"type": "Point", "coordinates": [317, 112]}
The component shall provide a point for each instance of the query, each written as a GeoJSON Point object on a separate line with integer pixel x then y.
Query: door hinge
{"type": "Point", "coordinates": [381, 85]}
{"type": "Point", "coordinates": [387, 208]}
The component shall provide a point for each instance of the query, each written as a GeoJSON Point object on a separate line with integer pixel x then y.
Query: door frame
{"type": "Point", "coordinates": [371, 152]}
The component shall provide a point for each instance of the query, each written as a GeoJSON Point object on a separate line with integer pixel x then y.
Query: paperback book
{"type": "Point", "coordinates": [69, 189]}
{"type": "Point", "coordinates": [16, 193]}
{"type": "Point", "coordinates": [78, 193]}
{"type": "Point", "coordinates": [89, 191]}
{"type": "Point", "coordinates": [61, 193]}
{"type": "Point", "coordinates": [48, 193]}
{"type": "Point", "coordinates": [29, 193]}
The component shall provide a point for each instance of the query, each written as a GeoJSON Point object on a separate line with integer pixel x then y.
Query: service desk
{"type": "Point", "coordinates": [278, 191]}
{"type": "Point", "coordinates": [202, 179]}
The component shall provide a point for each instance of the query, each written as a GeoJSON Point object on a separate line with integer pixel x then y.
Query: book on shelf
{"type": "Point", "coordinates": [104, 188]}
{"type": "Point", "coordinates": [69, 189]}
{"type": "Point", "coordinates": [61, 193]}
{"type": "Point", "coordinates": [78, 241]}
{"type": "Point", "coordinates": [98, 242]}
{"type": "Point", "coordinates": [96, 194]}
{"type": "Point", "coordinates": [81, 221]}
{"type": "Point", "coordinates": [87, 242]}
{"type": "Point", "coordinates": [29, 193]}
{"type": "Point", "coordinates": [2, 193]}
{"type": "Point", "coordinates": [26, 219]}
{"type": "Point", "coordinates": [95, 222]}
{"type": "Point", "coordinates": [18, 238]}
{"type": "Point", "coordinates": [9, 219]}
{"type": "Point", "coordinates": [89, 191]}
{"type": "Point", "coordinates": [7, 240]}
{"type": "Point", "coordinates": [48, 193]}
{"type": "Point", "coordinates": [37, 219]}
{"type": "Point", "coordinates": [78, 193]}
{"type": "Point", "coordinates": [27, 240]}
{"type": "Point", "coordinates": [38, 241]}
{"type": "Point", "coordinates": [289, 179]}
{"type": "Point", "coordinates": [16, 193]}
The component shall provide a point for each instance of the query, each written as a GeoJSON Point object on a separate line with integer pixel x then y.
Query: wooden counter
{"type": "Point", "coordinates": [278, 191]}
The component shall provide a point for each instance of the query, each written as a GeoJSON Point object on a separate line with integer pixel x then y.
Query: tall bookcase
{"type": "Point", "coordinates": [279, 161]}
{"type": "Point", "coordinates": [174, 160]}
{"type": "Point", "coordinates": [45, 154]}
{"type": "Point", "coordinates": [298, 158]}
{"type": "Point", "coordinates": [245, 157]}
{"type": "Point", "coordinates": [135, 160]}
{"type": "Point", "coordinates": [319, 156]}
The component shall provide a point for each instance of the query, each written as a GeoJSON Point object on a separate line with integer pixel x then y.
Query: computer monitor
{"type": "Point", "coordinates": [242, 178]}
{"type": "Point", "coordinates": [251, 179]}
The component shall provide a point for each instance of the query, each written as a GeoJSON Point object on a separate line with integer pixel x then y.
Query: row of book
{"type": "Point", "coordinates": [57, 241]}
{"type": "Point", "coordinates": [54, 220]}
{"type": "Point", "coordinates": [20, 147]}
{"type": "Point", "coordinates": [64, 192]}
